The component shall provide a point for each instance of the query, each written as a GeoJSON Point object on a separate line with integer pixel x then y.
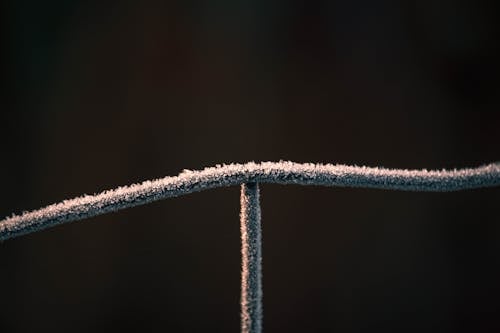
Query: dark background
{"type": "Point", "coordinates": [99, 95]}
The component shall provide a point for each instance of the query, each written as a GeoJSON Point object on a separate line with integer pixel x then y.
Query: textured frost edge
{"type": "Point", "coordinates": [234, 174]}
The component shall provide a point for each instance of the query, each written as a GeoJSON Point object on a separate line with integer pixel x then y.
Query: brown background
{"type": "Point", "coordinates": [99, 95]}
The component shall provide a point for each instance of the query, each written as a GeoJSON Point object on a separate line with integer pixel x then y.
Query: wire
{"type": "Point", "coordinates": [236, 174]}
{"type": "Point", "coordinates": [251, 259]}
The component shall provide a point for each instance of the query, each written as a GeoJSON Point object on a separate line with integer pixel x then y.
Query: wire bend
{"type": "Point", "coordinates": [235, 174]}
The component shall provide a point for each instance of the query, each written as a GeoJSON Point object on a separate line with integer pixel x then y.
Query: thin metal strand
{"type": "Point", "coordinates": [234, 174]}
{"type": "Point", "coordinates": [251, 259]}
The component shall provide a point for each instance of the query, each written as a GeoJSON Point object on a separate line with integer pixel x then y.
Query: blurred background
{"type": "Point", "coordinates": [97, 95]}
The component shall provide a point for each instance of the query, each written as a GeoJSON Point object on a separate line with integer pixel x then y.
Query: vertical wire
{"type": "Point", "coordinates": [251, 259]}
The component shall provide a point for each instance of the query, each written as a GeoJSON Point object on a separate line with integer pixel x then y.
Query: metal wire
{"type": "Point", "coordinates": [236, 174]}
{"type": "Point", "coordinates": [249, 175]}
{"type": "Point", "coordinates": [251, 259]}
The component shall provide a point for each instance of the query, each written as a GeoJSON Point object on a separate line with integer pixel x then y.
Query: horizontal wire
{"type": "Point", "coordinates": [236, 174]}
